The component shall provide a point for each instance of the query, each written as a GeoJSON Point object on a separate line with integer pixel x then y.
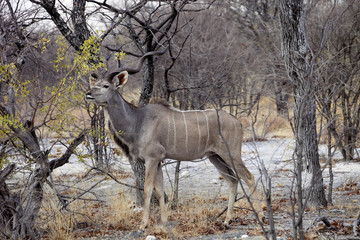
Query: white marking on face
{"type": "Point", "coordinates": [186, 132]}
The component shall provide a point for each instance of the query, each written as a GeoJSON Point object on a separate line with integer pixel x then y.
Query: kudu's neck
{"type": "Point", "coordinates": [125, 118]}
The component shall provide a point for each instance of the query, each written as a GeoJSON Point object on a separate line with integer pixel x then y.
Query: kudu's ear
{"type": "Point", "coordinates": [121, 79]}
{"type": "Point", "coordinates": [92, 79]}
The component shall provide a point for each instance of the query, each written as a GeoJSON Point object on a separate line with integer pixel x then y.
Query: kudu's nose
{"type": "Point", "coordinates": [88, 96]}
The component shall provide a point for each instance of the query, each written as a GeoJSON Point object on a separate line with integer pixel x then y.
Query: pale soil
{"type": "Point", "coordinates": [201, 180]}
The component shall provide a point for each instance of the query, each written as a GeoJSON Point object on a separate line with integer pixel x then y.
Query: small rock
{"type": "Point", "coordinates": [244, 236]}
{"type": "Point", "coordinates": [150, 237]}
{"type": "Point", "coordinates": [184, 174]}
{"type": "Point", "coordinates": [214, 181]}
{"type": "Point", "coordinates": [137, 209]}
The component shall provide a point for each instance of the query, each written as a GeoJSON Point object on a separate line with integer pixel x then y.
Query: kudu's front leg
{"type": "Point", "coordinates": [150, 174]}
{"type": "Point", "coordinates": [159, 189]}
{"type": "Point", "coordinates": [153, 178]}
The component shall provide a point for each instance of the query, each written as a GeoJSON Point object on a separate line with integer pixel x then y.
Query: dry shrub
{"type": "Point", "coordinates": [54, 223]}
{"type": "Point", "coordinates": [324, 137]}
{"type": "Point", "coordinates": [196, 216]}
{"type": "Point", "coordinates": [192, 217]}
{"type": "Point", "coordinates": [274, 126]}
{"type": "Point", "coordinates": [83, 219]}
{"type": "Point", "coordinates": [121, 213]}
{"type": "Point", "coordinates": [277, 123]}
{"type": "Point", "coordinates": [60, 223]}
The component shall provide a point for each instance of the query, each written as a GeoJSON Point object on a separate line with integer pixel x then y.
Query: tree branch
{"type": "Point", "coordinates": [50, 8]}
{"type": "Point", "coordinates": [70, 150]}
{"type": "Point", "coordinates": [7, 171]}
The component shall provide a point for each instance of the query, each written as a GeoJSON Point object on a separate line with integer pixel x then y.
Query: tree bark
{"type": "Point", "coordinates": [22, 224]}
{"type": "Point", "coordinates": [137, 165]}
{"type": "Point", "coordinates": [297, 56]}
{"type": "Point", "coordinates": [148, 81]}
{"type": "Point", "coordinates": [281, 98]}
{"type": "Point", "coordinates": [8, 204]}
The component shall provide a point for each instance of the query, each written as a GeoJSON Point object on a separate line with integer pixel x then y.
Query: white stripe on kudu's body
{"type": "Point", "coordinates": [208, 129]}
{"type": "Point", "coordinates": [186, 132]}
{"type": "Point", "coordinates": [155, 132]}
{"type": "Point", "coordinates": [199, 131]}
{"type": "Point", "coordinates": [174, 136]}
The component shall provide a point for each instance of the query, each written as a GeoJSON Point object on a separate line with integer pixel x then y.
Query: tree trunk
{"type": "Point", "coordinates": [22, 221]}
{"type": "Point", "coordinates": [25, 226]}
{"type": "Point", "coordinates": [8, 205]}
{"type": "Point", "coordinates": [138, 165]}
{"type": "Point", "coordinates": [281, 97]}
{"type": "Point", "coordinates": [148, 80]}
{"type": "Point", "coordinates": [175, 198]}
{"type": "Point", "coordinates": [297, 56]}
{"type": "Point", "coordinates": [350, 136]}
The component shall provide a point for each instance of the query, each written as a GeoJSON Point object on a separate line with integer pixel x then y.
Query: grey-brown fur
{"type": "Point", "coordinates": [155, 132]}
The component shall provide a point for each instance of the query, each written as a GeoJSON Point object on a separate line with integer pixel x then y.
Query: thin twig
{"type": "Point", "coordinates": [113, 178]}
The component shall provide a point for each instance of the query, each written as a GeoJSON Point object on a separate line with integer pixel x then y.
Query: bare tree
{"type": "Point", "coordinates": [300, 65]}
{"type": "Point", "coordinates": [80, 31]}
{"type": "Point", "coordinates": [151, 27]}
{"type": "Point", "coordinates": [145, 27]}
{"type": "Point", "coordinates": [339, 89]}
{"type": "Point", "coordinates": [72, 23]}
{"type": "Point", "coordinates": [257, 21]}
{"type": "Point", "coordinates": [18, 111]}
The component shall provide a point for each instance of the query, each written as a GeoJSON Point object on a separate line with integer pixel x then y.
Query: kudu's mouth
{"type": "Point", "coordinates": [88, 97]}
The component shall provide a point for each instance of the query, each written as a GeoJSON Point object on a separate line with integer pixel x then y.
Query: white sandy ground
{"type": "Point", "coordinates": [201, 178]}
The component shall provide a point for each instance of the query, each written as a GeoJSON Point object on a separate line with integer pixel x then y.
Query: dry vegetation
{"type": "Point", "coordinates": [227, 56]}
{"type": "Point", "coordinates": [195, 216]}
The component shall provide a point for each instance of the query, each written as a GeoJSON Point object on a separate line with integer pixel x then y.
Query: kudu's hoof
{"type": "Point", "coordinates": [227, 224]}
{"type": "Point", "coordinates": [142, 227]}
{"type": "Point", "coordinates": [262, 218]}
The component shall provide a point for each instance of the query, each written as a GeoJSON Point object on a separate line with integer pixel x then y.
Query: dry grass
{"type": "Point", "coordinates": [55, 224]}
{"type": "Point", "coordinates": [193, 217]}
{"type": "Point", "coordinates": [121, 214]}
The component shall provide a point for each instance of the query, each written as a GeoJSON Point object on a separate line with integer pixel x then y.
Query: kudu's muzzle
{"type": "Point", "coordinates": [88, 96]}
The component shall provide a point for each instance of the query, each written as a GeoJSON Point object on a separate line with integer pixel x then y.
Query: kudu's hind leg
{"type": "Point", "coordinates": [226, 172]}
{"type": "Point", "coordinates": [249, 179]}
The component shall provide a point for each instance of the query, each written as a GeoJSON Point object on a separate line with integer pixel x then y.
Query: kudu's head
{"type": "Point", "coordinates": [102, 89]}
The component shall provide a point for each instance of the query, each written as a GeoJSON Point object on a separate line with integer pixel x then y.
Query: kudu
{"type": "Point", "coordinates": [156, 132]}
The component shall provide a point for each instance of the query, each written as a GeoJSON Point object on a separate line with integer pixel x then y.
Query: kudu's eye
{"type": "Point", "coordinates": [106, 86]}
{"type": "Point", "coordinates": [93, 75]}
